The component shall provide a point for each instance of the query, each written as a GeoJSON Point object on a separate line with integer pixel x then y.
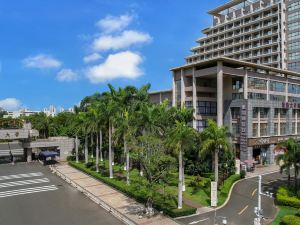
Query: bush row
{"type": "Point", "coordinates": [290, 220]}
{"type": "Point", "coordinates": [161, 203]}
{"type": "Point", "coordinates": [283, 197]}
{"type": "Point", "coordinates": [225, 188]}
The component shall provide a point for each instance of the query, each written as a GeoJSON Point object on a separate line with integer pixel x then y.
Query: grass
{"type": "Point", "coordinates": [283, 211]}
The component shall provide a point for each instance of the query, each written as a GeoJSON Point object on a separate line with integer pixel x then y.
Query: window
{"type": "Point", "coordinates": [237, 96]}
{"type": "Point", "coordinates": [263, 129]}
{"type": "Point", "coordinates": [201, 125]}
{"type": "Point", "coordinates": [282, 112]}
{"type": "Point", "coordinates": [206, 108]}
{"type": "Point", "coordinates": [294, 35]}
{"type": "Point", "coordinates": [254, 83]}
{"type": "Point", "coordinates": [294, 55]}
{"type": "Point", "coordinates": [294, 5]}
{"type": "Point", "coordinates": [275, 128]}
{"type": "Point", "coordinates": [277, 86]}
{"type": "Point", "coordinates": [257, 96]}
{"type": "Point", "coordinates": [298, 128]}
{"type": "Point", "coordinates": [279, 98]}
{"type": "Point", "coordinates": [237, 83]}
{"type": "Point", "coordinates": [294, 66]}
{"type": "Point", "coordinates": [294, 16]}
{"type": "Point", "coordinates": [294, 45]}
{"type": "Point", "coordinates": [178, 91]}
{"type": "Point", "coordinates": [294, 25]}
{"type": "Point", "coordinates": [283, 128]}
{"type": "Point", "coordinates": [255, 130]}
{"type": "Point", "coordinates": [294, 89]}
{"type": "Point", "coordinates": [294, 99]}
{"type": "Point", "coordinates": [189, 104]}
{"type": "Point", "coordinates": [293, 128]}
{"type": "Point", "coordinates": [235, 113]}
{"type": "Point", "coordinates": [235, 129]}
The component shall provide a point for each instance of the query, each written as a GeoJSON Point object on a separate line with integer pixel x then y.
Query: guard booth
{"type": "Point", "coordinates": [48, 157]}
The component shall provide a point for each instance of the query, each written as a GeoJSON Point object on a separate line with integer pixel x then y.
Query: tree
{"type": "Point", "coordinates": [214, 139]}
{"type": "Point", "coordinates": [181, 139]}
{"type": "Point", "coordinates": [290, 159]}
{"type": "Point", "coordinates": [41, 122]}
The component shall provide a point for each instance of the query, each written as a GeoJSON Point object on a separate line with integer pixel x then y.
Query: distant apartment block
{"type": "Point", "coordinates": [259, 31]}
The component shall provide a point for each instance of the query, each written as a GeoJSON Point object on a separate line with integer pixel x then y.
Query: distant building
{"type": "Point", "coordinates": [158, 97]}
{"type": "Point", "coordinates": [21, 112]}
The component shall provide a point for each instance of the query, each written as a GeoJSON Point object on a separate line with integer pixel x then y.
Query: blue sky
{"type": "Point", "coordinates": [58, 51]}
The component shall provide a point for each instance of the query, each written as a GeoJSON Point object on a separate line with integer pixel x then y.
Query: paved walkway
{"type": "Point", "coordinates": [120, 205]}
{"type": "Point", "coordinates": [260, 170]}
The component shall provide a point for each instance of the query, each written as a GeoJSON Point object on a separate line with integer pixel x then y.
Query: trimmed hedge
{"type": "Point", "coordinates": [139, 193]}
{"type": "Point", "coordinates": [225, 188]}
{"type": "Point", "coordinates": [290, 220]}
{"type": "Point", "coordinates": [283, 197]}
{"type": "Point", "coordinates": [298, 213]}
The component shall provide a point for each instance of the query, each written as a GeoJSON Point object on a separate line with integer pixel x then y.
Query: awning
{"type": "Point", "coordinates": [49, 154]}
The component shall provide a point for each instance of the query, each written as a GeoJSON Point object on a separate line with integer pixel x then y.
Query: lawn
{"type": "Point", "coordinates": [283, 210]}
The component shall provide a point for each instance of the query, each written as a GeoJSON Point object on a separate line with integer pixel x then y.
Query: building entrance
{"type": "Point", "coordinates": [260, 155]}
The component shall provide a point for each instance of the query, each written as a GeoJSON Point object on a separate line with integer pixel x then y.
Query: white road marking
{"type": "Point", "coordinates": [243, 210]}
{"type": "Point", "coordinates": [23, 175]}
{"type": "Point", "coordinates": [255, 190]}
{"type": "Point", "coordinates": [4, 194]}
{"type": "Point", "coordinates": [198, 221]}
{"type": "Point", "coordinates": [23, 182]}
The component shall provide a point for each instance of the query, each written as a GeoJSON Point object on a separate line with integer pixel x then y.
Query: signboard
{"type": "Point", "coordinates": [243, 129]}
{"type": "Point", "coordinates": [270, 140]}
{"type": "Point", "coordinates": [293, 105]}
{"type": "Point", "coordinates": [213, 194]}
{"type": "Point", "coordinates": [237, 166]}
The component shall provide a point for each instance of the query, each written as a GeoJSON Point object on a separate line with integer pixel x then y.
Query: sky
{"type": "Point", "coordinates": [56, 52]}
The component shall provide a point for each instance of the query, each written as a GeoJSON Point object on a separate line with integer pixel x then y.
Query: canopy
{"type": "Point", "coordinates": [49, 154]}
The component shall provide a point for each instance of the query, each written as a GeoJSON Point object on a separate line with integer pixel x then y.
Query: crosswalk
{"type": "Point", "coordinates": [25, 183]}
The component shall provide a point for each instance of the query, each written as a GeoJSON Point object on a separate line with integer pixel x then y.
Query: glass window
{"type": "Point", "coordinates": [294, 25]}
{"type": "Point", "coordinates": [237, 83]}
{"type": "Point", "coordinates": [294, 16]}
{"type": "Point", "coordinates": [293, 128]}
{"type": "Point", "coordinates": [275, 128]}
{"type": "Point", "coordinates": [254, 83]}
{"type": "Point", "coordinates": [294, 55]}
{"type": "Point", "coordinates": [237, 96]}
{"type": "Point", "coordinates": [294, 5]}
{"type": "Point", "coordinates": [294, 65]}
{"type": "Point", "coordinates": [283, 128]}
{"type": "Point", "coordinates": [282, 112]}
{"type": "Point", "coordinates": [294, 99]}
{"type": "Point", "coordinates": [235, 129]}
{"type": "Point", "coordinates": [201, 125]}
{"type": "Point", "coordinates": [294, 45]}
{"type": "Point", "coordinates": [263, 129]}
{"type": "Point", "coordinates": [279, 98]}
{"type": "Point", "coordinates": [294, 88]}
{"type": "Point", "coordinates": [206, 108]}
{"type": "Point", "coordinates": [235, 113]}
{"type": "Point", "coordinates": [277, 86]}
{"type": "Point", "coordinates": [189, 104]}
{"type": "Point", "coordinates": [255, 130]}
{"type": "Point", "coordinates": [298, 128]}
{"type": "Point", "coordinates": [257, 96]}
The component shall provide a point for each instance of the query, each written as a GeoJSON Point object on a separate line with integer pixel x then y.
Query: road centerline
{"type": "Point", "coordinates": [243, 210]}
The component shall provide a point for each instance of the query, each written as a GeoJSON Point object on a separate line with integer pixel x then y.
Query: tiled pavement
{"type": "Point", "coordinates": [119, 204]}
{"type": "Point", "coordinates": [260, 170]}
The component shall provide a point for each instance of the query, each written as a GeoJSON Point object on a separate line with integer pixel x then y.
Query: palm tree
{"type": "Point", "coordinates": [85, 120]}
{"type": "Point", "coordinates": [214, 140]}
{"type": "Point", "coordinates": [290, 159]}
{"type": "Point", "coordinates": [181, 138]}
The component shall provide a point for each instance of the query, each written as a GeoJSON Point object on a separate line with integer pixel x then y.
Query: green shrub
{"type": "Point", "coordinates": [298, 213]}
{"type": "Point", "coordinates": [89, 164]}
{"type": "Point", "coordinates": [71, 158]}
{"type": "Point", "coordinates": [225, 188]}
{"type": "Point", "coordinates": [243, 174]}
{"type": "Point", "coordinates": [167, 204]}
{"type": "Point", "coordinates": [290, 220]}
{"type": "Point", "coordinates": [283, 197]}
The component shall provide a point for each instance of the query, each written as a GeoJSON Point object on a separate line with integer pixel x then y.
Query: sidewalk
{"type": "Point", "coordinates": [263, 170]}
{"type": "Point", "coordinates": [121, 206]}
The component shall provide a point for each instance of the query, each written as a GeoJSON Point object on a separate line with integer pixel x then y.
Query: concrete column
{"type": "Point", "coordinates": [270, 154]}
{"type": "Point", "coordinates": [296, 121]}
{"type": "Point", "coordinates": [29, 154]}
{"type": "Point", "coordinates": [220, 93]}
{"type": "Point", "coordinates": [246, 84]}
{"type": "Point", "coordinates": [268, 87]}
{"type": "Point", "coordinates": [286, 89]}
{"type": "Point", "coordinates": [258, 124]}
{"type": "Point", "coordinates": [182, 100]}
{"type": "Point", "coordinates": [174, 91]}
{"type": "Point", "coordinates": [194, 99]}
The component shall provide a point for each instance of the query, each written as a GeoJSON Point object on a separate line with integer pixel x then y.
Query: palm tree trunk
{"type": "Point", "coordinates": [296, 175]}
{"type": "Point", "coordinates": [100, 147]}
{"type": "Point", "coordinates": [86, 150]}
{"type": "Point", "coordinates": [216, 166]}
{"type": "Point", "coordinates": [112, 148]}
{"type": "Point", "coordinates": [125, 151]}
{"type": "Point", "coordinates": [127, 162]}
{"type": "Point", "coordinates": [110, 152]}
{"type": "Point", "coordinates": [76, 149]}
{"type": "Point", "coordinates": [180, 181]}
{"type": "Point", "coordinates": [92, 143]}
{"type": "Point", "coordinates": [183, 183]}
{"type": "Point", "coordinates": [97, 153]}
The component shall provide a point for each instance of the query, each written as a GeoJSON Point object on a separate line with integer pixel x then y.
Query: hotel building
{"type": "Point", "coordinates": [243, 74]}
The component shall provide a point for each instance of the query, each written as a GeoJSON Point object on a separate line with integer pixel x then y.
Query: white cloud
{"type": "Point", "coordinates": [10, 104]}
{"type": "Point", "coordinates": [124, 40]}
{"type": "Point", "coordinates": [114, 23]}
{"type": "Point", "coordinates": [67, 75]}
{"type": "Point", "coordinates": [91, 58]}
{"type": "Point", "coordinates": [120, 65]}
{"type": "Point", "coordinates": [41, 61]}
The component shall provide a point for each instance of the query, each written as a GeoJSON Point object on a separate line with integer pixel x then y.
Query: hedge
{"type": "Point", "coordinates": [290, 220]}
{"type": "Point", "coordinates": [283, 198]}
{"type": "Point", "coordinates": [225, 188]}
{"type": "Point", "coordinates": [298, 213]}
{"type": "Point", "coordinates": [138, 193]}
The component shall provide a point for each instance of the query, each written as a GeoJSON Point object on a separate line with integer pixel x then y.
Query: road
{"type": "Point", "coordinates": [240, 208]}
{"type": "Point", "coordinates": [31, 195]}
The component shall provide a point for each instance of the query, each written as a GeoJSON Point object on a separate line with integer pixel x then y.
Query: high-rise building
{"type": "Point", "coordinates": [259, 31]}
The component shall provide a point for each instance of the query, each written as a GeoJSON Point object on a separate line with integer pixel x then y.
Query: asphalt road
{"type": "Point", "coordinates": [240, 208]}
{"type": "Point", "coordinates": [31, 195]}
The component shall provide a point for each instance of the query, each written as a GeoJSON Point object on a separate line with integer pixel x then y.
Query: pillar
{"type": "Point", "coordinates": [182, 94]}
{"type": "Point", "coordinates": [194, 100]}
{"type": "Point", "coordinates": [174, 90]}
{"type": "Point", "coordinates": [220, 93]}
{"type": "Point", "coordinates": [246, 84]}
{"type": "Point", "coordinates": [29, 154]}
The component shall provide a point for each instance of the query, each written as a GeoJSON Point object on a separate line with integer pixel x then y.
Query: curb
{"type": "Point", "coordinates": [94, 198]}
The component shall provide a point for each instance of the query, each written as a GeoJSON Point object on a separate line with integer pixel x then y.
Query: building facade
{"type": "Point", "coordinates": [259, 104]}
{"type": "Point", "coordinates": [259, 31]}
